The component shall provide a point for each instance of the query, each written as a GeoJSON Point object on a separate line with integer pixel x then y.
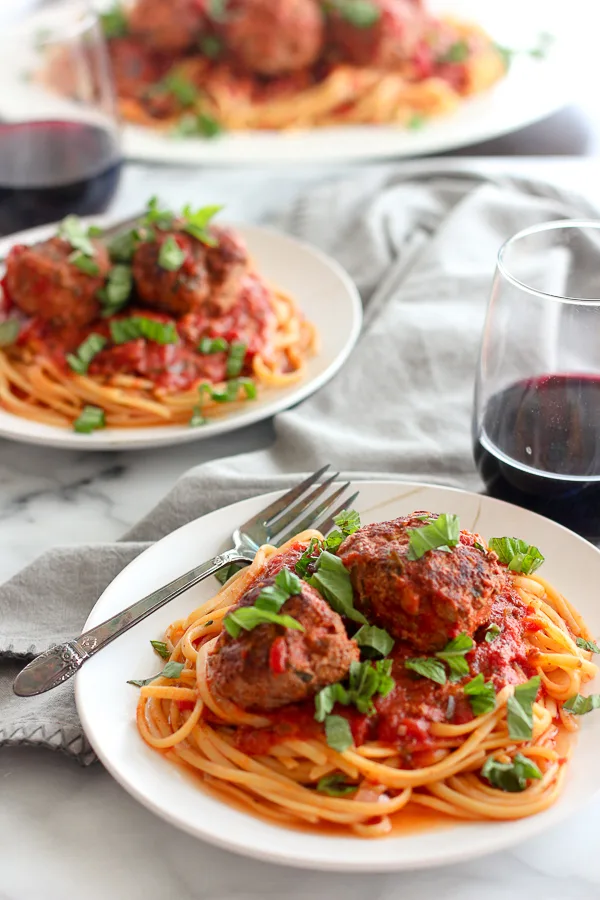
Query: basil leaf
{"type": "Point", "coordinates": [217, 10]}
{"type": "Point", "coordinates": [338, 733]}
{"type": "Point", "coordinates": [197, 418]}
{"type": "Point", "coordinates": [366, 681]}
{"type": "Point", "coordinates": [428, 668]}
{"type": "Point", "coordinates": [160, 218]}
{"type": "Point", "coordinates": [416, 121]}
{"type": "Point", "coordinates": [272, 597]}
{"type": "Point", "coordinates": [196, 223]}
{"type": "Point", "coordinates": [235, 359]}
{"type": "Point", "coordinates": [326, 699]}
{"type": "Point", "coordinates": [248, 385]}
{"type": "Point", "coordinates": [170, 255]}
{"type": "Point", "coordinates": [123, 246]}
{"type": "Point", "coordinates": [348, 521]}
{"type": "Point", "coordinates": [336, 786]}
{"type": "Point", "coordinates": [124, 330]}
{"type": "Point", "coordinates": [309, 557]}
{"type": "Point", "coordinates": [456, 53]}
{"type": "Point", "coordinates": [386, 684]}
{"type": "Point", "coordinates": [85, 353]}
{"type": "Point", "coordinates": [511, 776]}
{"type": "Point", "coordinates": [580, 705]}
{"type": "Point", "coordinates": [9, 332]}
{"type": "Point", "coordinates": [374, 642]}
{"type": "Point", "coordinates": [94, 231]}
{"type": "Point", "coordinates": [180, 87]}
{"type": "Point", "coordinates": [249, 617]}
{"type": "Point", "coordinates": [117, 290]}
{"type": "Point", "coordinates": [161, 648]}
{"type": "Point", "coordinates": [199, 125]}
{"type": "Point", "coordinates": [90, 419]}
{"type": "Point", "coordinates": [332, 580]}
{"type": "Point", "coordinates": [520, 710]}
{"type": "Point", "coordinates": [288, 582]}
{"type": "Point", "coordinates": [210, 46]}
{"type": "Point", "coordinates": [114, 22]}
{"type": "Point", "coordinates": [439, 535]}
{"type": "Point", "coordinates": [516, 554]}
{"type": "Point", "coordinates": [171, 670]}
{"type": "Point", "coordinates": [481, 694]}
{"type": "Point", "coordinates": [492, 632]}
{"type": "Point", "coordinates": [587, 645]}
{"type": "Point", "coordinates": [454, 655]}
{"type": "Point", "coordinates": [209, 345]}
{"type": "Point", "coordinates": [72, 231]}
{"type": "Point", "coordinates": [360, 13]}
{"type": "Point", "coordinates": [84, 263]}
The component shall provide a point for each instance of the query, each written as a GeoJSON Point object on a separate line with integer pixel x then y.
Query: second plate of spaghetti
{"type": "Point", "coordinates": [176, 329]}
{"type": "Point", "coordinates": [404, 692]}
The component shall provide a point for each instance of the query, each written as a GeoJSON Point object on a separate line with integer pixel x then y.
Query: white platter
{"type": "Point", "coordinates": [324, 292]}
{"type": "Point", "coordinates": [106, 704]}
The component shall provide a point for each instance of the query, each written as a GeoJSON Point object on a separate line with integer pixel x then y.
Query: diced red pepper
{"type": "Point", "coordinates": [278, 655]}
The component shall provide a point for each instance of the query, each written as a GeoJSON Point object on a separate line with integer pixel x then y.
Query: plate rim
{"type": "Point", "coordinates": [503, 839]}
{"type": "Point", "coordinates": [109, 440]}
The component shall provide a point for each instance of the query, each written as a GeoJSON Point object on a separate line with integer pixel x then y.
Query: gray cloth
{"type": "Point", "coordinates": [422, 253]}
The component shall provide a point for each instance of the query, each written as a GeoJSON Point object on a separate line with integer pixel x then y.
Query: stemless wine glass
{"type": "Point", "coordinates": [59, 134]}
{"type": "Point", "coordinates": [537, 398]}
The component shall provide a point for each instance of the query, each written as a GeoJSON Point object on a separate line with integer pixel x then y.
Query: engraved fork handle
{"type": "Point", "coordinates": [58, 664]}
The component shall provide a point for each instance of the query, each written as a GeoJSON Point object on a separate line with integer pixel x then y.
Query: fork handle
{"type": "Point", "coordinates": [58, 664]}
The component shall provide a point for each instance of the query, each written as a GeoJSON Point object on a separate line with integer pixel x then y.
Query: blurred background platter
{"type": "Point", "coordinates": [535, 86]}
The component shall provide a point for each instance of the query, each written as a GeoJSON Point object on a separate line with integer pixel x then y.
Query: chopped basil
{"type": "Point", "coordinates": [117, 290]}
{"type": "Point", "coordinates": [95, 231]}
{"type": "Point", "coordinates": [249, 617]}
{"type": "Point", "coordinates": [90, 419]}
{"type": "Point", "coordinates": [587, 645]}
{"type": "Point", "coordinates": [210, 46]}
{"type": "Point", "coordinates": [170, 256]}
{"type": "Point", "coordinates": [212, 345]}
{"type": "Point", "coordinates": [374, 642]}
{"type": "Point", "coordinates": [365, 680]}
{"type": "Point", "coordinates": [309, 557]}
{"type": "Point", "coordinates": [348, 521]}
{"type": "Point", "coordinates": [84, 263]}
{"type": "Point", "coordinates": [439, 535]}
{"type": "Point", "coordinates": [235, 359]}
{"type": "Point", "coordinates": [266, 606]}
{"type": "Point", "coordinates": [545, 41]}
{"type": "Point", "coordinates": [511, 776]}
{"type": "Point", "coordinates": [198, 125]}
{"type": "Point", "coordinates": [338, 733]}
{"type": "Point", "coordinates": [72, 231]}
{"type": "Point", "coordinates": [492, 632]}
{"type": "Point", "coordinates": [456, 53]}
{"type": "Point", "coordinates": [171, 670]}
{"type": "Point", "coordinates": [518, 555]}
{"type": "Point", "coordinates": [454, 655]}
{"type": "Point", "coordinates": [520, 710]}
{"type": "Point", "coordinates": [180, 87]}
{"type": "Point", "coordinates": [506, 53]}
{"type": "Point", "coordinates": [326, 699]}
{"type": "Point", "coordinates": [428, 668]}
{"type": "Point", "coordinates": [481, 694]}
{"type": "Point", "coordinates": [332, 580]}
{"type": "Point", "coordinates": [416, 121]}
{"type": "Point", "coordinates": [9, 332]}
{"type": "Point", "coordinates": [231, 390]}
{"type": "Point", "coordinates": [479, 546]}
{"type": "Point", "coordinates": [580, 705]}
{"type": "Point", "coordinates": [124, 330]}
{"type": "Point", "coordinates": [217, 10]}
{"type": "Point", "coordinates": [197, 419]}
{"type": "Point", "coordinates": [161, 648]}
{"type": "Point", "coordinates": [123, 246]}
{"type": "Point", "coordinates": [196, 223]}
{"type": "Point", "coordinates": [336, 786]}
{"type": "Point", "coordinates": [80, 361]}
{"type": "Point", "coordinates": [114, 22]}
{"type": "Point", "coordinates": [360, 13]}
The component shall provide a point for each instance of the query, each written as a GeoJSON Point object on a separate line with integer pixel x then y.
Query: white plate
{"type": "Point", "coordinates": [324, 292]}
{"type": "Point", "coordinates": [532, 89]}
{"type": "Point", "coordinates": [106, 704]}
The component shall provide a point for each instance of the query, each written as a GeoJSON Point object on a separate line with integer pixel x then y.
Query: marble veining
{"type": "Point", "coordinates": [68, 831]}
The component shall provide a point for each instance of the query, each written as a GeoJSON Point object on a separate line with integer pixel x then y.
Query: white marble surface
{"type": "Point", "coordinates": [67, 831]}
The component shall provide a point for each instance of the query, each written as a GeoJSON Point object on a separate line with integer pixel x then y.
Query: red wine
{"type": "Point", "coordinates": [50, 169]}
{"type": "Point", "coordinates": [539, 447]}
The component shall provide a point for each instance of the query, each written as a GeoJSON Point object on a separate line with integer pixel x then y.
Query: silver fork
{"type": "Point", "coordinates": [280, 521]}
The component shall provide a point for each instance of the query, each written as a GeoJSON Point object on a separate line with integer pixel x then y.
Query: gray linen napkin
{"type": "Point", "coordinates": [422, 252]}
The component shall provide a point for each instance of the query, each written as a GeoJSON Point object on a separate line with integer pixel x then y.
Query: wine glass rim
{"type": "Point", "coordinates": [554, 225]}
{"type": "Point", "coordinates": [81, 17]}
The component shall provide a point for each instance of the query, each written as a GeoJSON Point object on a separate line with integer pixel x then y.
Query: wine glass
{"type": "Point", "coordinates": [536, 423]}
{"type": "Point", "coordinates": [59, 131]}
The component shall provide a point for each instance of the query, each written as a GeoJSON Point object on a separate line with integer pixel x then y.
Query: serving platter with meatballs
{"type": "Point", "coordinates": [172, 329]}
{"type": "Point", "coordinates": [423, 709]}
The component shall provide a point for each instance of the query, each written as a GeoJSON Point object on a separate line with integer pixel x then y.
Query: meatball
{"type": "Point", "coordinates": [426, 601]}
{"type": "Point", "coordinates": [272, 666]}
{"type": "Point", "coordinates": [135, 67]}
{"type": "Point", "coordinates": [385, 44]}
{"type": "Point", "coordinates": [207, 274]}
{"type": "Point", "coordinates": [42, 281]}
{"type": "Point", "coordinates": [271, 37]}
{"type": "Point", "coordinates": [169, 25]}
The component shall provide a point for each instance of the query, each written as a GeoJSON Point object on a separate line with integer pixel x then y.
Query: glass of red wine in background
{"type": "Point", "coordinates": [537, 398]}
{"type": "Point", "coordinates": [59, 134]}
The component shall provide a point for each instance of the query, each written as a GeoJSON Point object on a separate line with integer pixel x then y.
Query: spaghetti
{"type": "Point", "coordinates": [181, 365]}
{"type": "Point", "coordinates": [285, 779]}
